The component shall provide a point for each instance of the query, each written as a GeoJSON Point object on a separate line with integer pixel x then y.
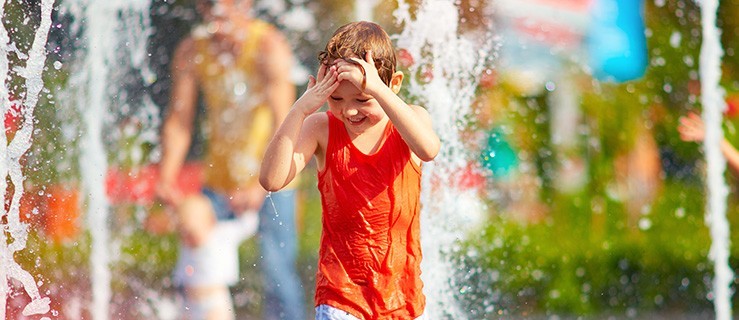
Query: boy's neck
{"type": "Point", "coordinates": [371, 140]}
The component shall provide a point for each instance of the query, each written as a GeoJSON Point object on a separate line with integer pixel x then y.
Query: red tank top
{"type": "Point", "coordinates": [370, 254]}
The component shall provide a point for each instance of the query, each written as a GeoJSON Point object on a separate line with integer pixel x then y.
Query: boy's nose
{"type": "Point", "coordinates": [350, 112]}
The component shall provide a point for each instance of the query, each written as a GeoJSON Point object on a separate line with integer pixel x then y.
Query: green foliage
{"type": "Point", "coordinates": [570, 264]}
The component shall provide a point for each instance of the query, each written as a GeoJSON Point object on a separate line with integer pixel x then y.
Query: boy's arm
{"type": "Point", "coordinates": [289, 151]}
{"type": "Point", "coordinates": [177, 127]}
{"type": "Point", "coordinates": [413, 122]}
{"type": "Point", "coordinates": [296, 140]}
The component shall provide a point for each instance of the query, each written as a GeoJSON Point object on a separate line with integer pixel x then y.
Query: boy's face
{"type": "Point", "coordinates": [358, 110]}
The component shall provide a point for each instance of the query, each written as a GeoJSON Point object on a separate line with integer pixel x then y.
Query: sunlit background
{"type": "Point", "coordinates": [564, 189]}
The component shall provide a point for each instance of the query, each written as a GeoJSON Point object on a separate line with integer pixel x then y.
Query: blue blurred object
{"type": "Point", "coordinates": [498, 156]}
{"type": "Point", "coordinates": [616, 41]}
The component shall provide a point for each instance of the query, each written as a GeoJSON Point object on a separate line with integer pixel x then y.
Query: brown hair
{"type": "Point", "coordinates": [355, 39]}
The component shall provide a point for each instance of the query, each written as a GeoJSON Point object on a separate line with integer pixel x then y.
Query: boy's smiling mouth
{"type": "Point", "coordinates": [356, 120]}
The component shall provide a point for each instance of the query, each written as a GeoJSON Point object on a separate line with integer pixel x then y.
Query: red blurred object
{"type": "Point", "coordinates": [560, 24]}
{"type": "Point", "coordinates": [427, 73]}
{"type": "Point", "coordinates": [471, 177]}
{"type": "Point", "coordinates": [488, 79]}
{"type": "Point", "coordinates": [572, 5]}
{"type": "Point", "coordinates": [13, 116]}
{"type": "Point", "coordinates": [558, 35]}
{"type": "Point", "coordinates": [405, 59]}
{"type": "Point", "coordinates": [61, 220]}
{"type": "Point", "coordinates": [30, 208]}
{"type": "Point", "coordinates": [732, 106]}
{"type": "Point", "coordinates": [138, 187]}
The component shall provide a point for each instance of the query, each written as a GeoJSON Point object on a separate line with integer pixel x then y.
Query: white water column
{"type": "Point", "coordinates": [713, 107]}
{"type": "Point", "coordinates": [114, 34]}
{"type": "Point", "coordinates": [15, 233]}
{"type": "Point", "coordinates": [449, 66]}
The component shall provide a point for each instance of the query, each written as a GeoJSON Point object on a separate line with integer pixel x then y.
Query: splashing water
{"type": "Point", "coordinates": [713, 107]}
{"type": "Point", "coordinates": [452, 64]}
{"type": "Point", "coordinates": [15, 232]}
{"type": "Point", "coordinates": [107, 26]}
{"type": "Point", "coordinates": [272, 202]}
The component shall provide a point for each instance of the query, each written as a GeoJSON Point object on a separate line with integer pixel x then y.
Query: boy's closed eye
{"type": "Point", "coordinates": [360, 100]}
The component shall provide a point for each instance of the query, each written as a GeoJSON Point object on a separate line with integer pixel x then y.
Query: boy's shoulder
{"type": "Point", "coordinates": [317, 126]}
{"type": "Point", "coordinates": [318, 119]}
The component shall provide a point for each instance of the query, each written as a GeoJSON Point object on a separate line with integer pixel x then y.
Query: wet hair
{"type": "Point", "coordinates": [355, 39]}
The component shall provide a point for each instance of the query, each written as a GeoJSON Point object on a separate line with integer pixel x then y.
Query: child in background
{"type": "Point", "coordinates": [240, 67]}
{"type": "Point", "coordinates": [369, 147]}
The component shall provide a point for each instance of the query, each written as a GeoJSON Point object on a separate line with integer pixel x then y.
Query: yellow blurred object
{"type": "Point", "coordinates": [525, 83]}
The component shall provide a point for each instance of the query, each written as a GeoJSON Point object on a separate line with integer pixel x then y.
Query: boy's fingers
{"type": "Point", "coordinates": [358, 61]}
{"type": "Point", "coordinates": [321, 71]}
{"type": "Point", "coordinates": [330, 75]}
{"type": "Point", "coordinates": [311, 81]}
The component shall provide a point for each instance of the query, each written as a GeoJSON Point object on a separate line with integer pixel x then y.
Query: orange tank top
{"type": "Point", "coordinates": [370, 254]}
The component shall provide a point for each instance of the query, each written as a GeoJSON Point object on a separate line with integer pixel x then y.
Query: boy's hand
{"type": "Point", "coordinates": [361, 73]}
{"type": "Point", "coordinates": [318, 90]}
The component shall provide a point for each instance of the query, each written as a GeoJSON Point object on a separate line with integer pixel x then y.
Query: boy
{"type": "Point", "coordinates": [369, 146]}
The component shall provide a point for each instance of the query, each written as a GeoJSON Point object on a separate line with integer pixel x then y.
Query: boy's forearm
{"type": "Point", "coordinates": [277, 165]}
{"type": "Point", "coordinates": [417, 132]}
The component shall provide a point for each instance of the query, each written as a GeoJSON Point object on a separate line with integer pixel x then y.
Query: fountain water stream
{"type": "Point", "coordinates": [110, 30]}
{"type": "Point", "coordinates": [452, 63]}
{"type": "Point", "coordinates": [713, 107]}
{"type": "Point", "coordinates": [15, 232]}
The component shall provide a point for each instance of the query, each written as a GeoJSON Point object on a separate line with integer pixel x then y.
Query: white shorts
{"type": "Point", "coordinates": [326, 312]}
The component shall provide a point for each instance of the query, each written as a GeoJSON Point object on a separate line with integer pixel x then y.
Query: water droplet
{"type": "Point", "coordinates": [680, 212]}
{"type": "Point", "coordinates": [675, 39]}
{"type": "Point", "coordinates": [645, 224]}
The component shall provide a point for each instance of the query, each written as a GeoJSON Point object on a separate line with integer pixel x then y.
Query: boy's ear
{"type": "Point", "coordinates": [396, 81]}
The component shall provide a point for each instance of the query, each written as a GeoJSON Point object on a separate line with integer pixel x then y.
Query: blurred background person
{"type": "Point", "coordinates": [241, 66]}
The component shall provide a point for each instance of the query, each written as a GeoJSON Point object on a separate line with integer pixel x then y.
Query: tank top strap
{"type": "Point", "coordinates": [337, 136]}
